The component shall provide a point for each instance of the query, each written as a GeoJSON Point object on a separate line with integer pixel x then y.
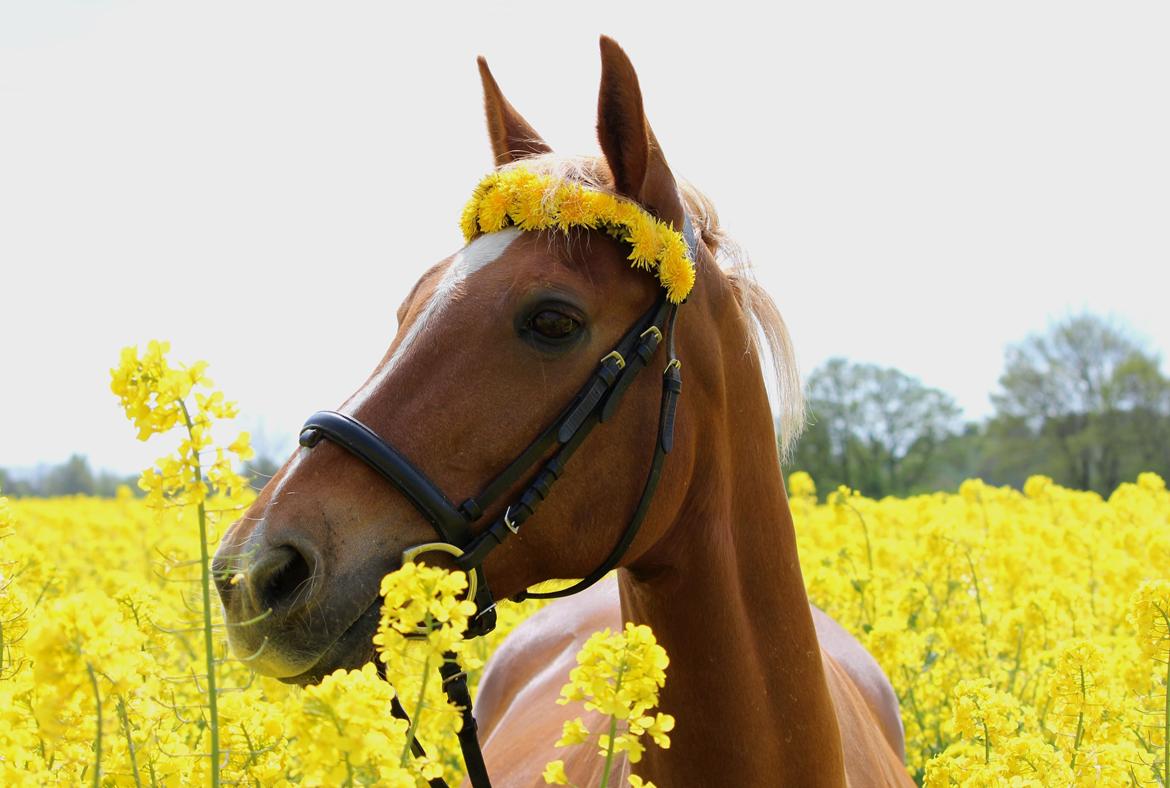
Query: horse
{"type": "Point", "coordinates": [492, 343]}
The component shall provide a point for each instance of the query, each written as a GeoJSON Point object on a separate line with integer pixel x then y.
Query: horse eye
{"type": "Point", "coordinates": [551, 324]}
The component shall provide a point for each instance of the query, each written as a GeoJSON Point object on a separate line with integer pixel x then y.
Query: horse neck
{"type": "Point", "coordinates": [724, 595]}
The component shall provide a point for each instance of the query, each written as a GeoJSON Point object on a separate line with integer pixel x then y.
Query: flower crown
{"type": "Point", "coordinates": [520, 198]}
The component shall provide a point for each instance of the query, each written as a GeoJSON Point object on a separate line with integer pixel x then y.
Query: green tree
{"type": "Point", "coordinates": [1084, 402]}
{"type": "Point", "coordinates": [259, 470]}
{"type": "Point", "coordinates": [875, 429]}
{"type": "Point", "coordinates": [72, 477]}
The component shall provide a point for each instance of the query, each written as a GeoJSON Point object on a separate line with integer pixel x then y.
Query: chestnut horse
{"type": "Point", "coordinates": [492, 343]}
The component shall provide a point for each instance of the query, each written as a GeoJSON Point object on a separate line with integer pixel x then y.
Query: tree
{"type": "Point", "coordinates": [259, 470]}
{"type": "Point", "coordinates": [1085, 402]}
{"type": "Point", "coordinates": [874, 429]}
{"type": "Point", "coordinates": [73, 477]}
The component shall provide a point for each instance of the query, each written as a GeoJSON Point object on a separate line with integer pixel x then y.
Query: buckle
{"type": "Point", "coordinates": [616, 356]}
{"type": "Point", "coordinates": [508, 521]}
{"type": "Point", "coordinates": [654, 331]}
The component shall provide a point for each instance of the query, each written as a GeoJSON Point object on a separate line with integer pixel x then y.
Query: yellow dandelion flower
{"type": "Point", "coordinates": [644, 236]}
{"type": "Point", "coordinates": [573, 208]}
{"type": "Point", "coordinates": [536, 202]}
{"type": "Point", "coordinates": [493, 211]}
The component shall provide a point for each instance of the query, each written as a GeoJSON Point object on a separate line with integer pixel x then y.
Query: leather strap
{"type": "Point", "coordinates": [671, 390]}
{"type": "Point", "coordinates": [360, 440]}
{"type": "Point", "coordinates": [455, 686]}
{"type": "Point", "coordinates": [557, 432]}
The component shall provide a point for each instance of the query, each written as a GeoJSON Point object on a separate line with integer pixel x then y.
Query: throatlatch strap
{"type": "Point", "coordinates": [455, 686]}
{"type": "Point", "coordinates": [671, 389]}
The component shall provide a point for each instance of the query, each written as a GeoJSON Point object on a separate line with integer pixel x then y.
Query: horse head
{"type": "Point", "coordinates": [494, 344]}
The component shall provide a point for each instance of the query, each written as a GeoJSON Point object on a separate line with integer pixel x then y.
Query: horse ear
{"type": "Point", "coordinates": [512, 137]}
{"type": "Point", "coordinates": [639, 169]}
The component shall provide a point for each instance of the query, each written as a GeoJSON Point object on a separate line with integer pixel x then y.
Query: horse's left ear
{"type": "Point", "coordinates": [512, 138]}
{"type": "Point", "coordinates": [639, 169]}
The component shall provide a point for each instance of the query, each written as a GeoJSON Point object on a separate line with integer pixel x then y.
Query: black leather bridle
{"type": "Point", "coordinates": [593, 404]}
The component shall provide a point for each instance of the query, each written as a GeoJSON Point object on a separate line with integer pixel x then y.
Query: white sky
{"type": "Point", "coordinates": [919, 183]}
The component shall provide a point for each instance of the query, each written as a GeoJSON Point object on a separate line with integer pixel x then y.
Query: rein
{"type": "Point", "coordinates": [594, 403]}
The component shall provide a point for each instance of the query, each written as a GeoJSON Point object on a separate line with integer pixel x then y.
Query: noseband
{"type": "Point", "coordinates": [595, 403]}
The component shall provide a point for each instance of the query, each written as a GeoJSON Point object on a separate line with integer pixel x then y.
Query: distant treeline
{"type": "Point", "coordinates": [72, 477]}
{"type": "Point", "coordinates": [1085, 403]}
{"type": "Point", "coordinates": [75, 477]}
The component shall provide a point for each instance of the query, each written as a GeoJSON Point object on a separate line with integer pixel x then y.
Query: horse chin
{"type": "Point", "coordinates": [352, 649]}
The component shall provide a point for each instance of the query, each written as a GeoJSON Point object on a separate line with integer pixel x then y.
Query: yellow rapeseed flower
{"type": "Point", "coordinates": [619, 675]}
{"type": "Point", "coordinates": [801, 485]}
{"type": "Point", "coordinates": [1150, 616]}
{"type": "Point", "coordinates": [1051, 604]}
{"type": "Point", "coordinates": [554, 773]}
{"type": "Point", "coordinates": [342, 732]}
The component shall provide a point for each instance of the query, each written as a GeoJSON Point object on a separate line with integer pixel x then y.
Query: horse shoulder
{"type": "Point", "coordinates": [519, 719]}
{"type": "Point", "coordinates": [518, 716]}
{"type": "Point", "coordinates": [867, 708]}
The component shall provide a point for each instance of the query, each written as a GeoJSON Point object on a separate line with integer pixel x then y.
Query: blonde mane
{"type": "Point", "coordinates": [770, 340]}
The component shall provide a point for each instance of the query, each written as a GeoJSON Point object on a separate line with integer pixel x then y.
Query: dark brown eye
{"type": "Point", "coordinates": [551, 324]}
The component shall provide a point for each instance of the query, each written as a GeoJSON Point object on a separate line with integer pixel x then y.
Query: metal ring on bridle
{"type": "Point", "coordinates": [409, 556]}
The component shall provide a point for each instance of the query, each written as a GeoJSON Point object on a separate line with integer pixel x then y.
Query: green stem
{"type": "Point", "coordinates": [609, 751]}
{"type": "Point", "coordinates": [865, 531]}
{"type": "Point", "coordinates": [979, 602]}
{"type": "Point", "coordinates": [97, 747]}
{"type": "Point", "coordinates": [1019, 654]}
{"type": "Point", "coordinates": [209, 644]}
{"type": "Point", "coordinates": [129, 740]}
{"type": "Point", "coordinates": [208, 640]}
{"type": "Point", "coordinates": [1080, 720]}
{"type": "Point", "coordinates": [1166, 717]}
{"type": "Point", "coordinates": [414, 717]}
{"type": "Point", "coordinates": [612, 728]}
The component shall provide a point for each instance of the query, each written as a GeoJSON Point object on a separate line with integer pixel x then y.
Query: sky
{"type": "Point", "coordinates": [918, 183]}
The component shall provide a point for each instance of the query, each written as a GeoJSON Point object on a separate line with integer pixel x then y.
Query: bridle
{"type": "Point", "coordinates": [594, 403]}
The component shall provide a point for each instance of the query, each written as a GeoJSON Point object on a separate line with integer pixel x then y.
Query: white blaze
{"type": "Point", "coordinates": [478, 254]}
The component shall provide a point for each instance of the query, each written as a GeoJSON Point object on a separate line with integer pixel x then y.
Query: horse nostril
{"type": "Point", "coordinates": [281, 578]}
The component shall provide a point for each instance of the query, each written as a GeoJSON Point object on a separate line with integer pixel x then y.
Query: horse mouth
{"type": "Point", "coordinates": [353, 648]}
